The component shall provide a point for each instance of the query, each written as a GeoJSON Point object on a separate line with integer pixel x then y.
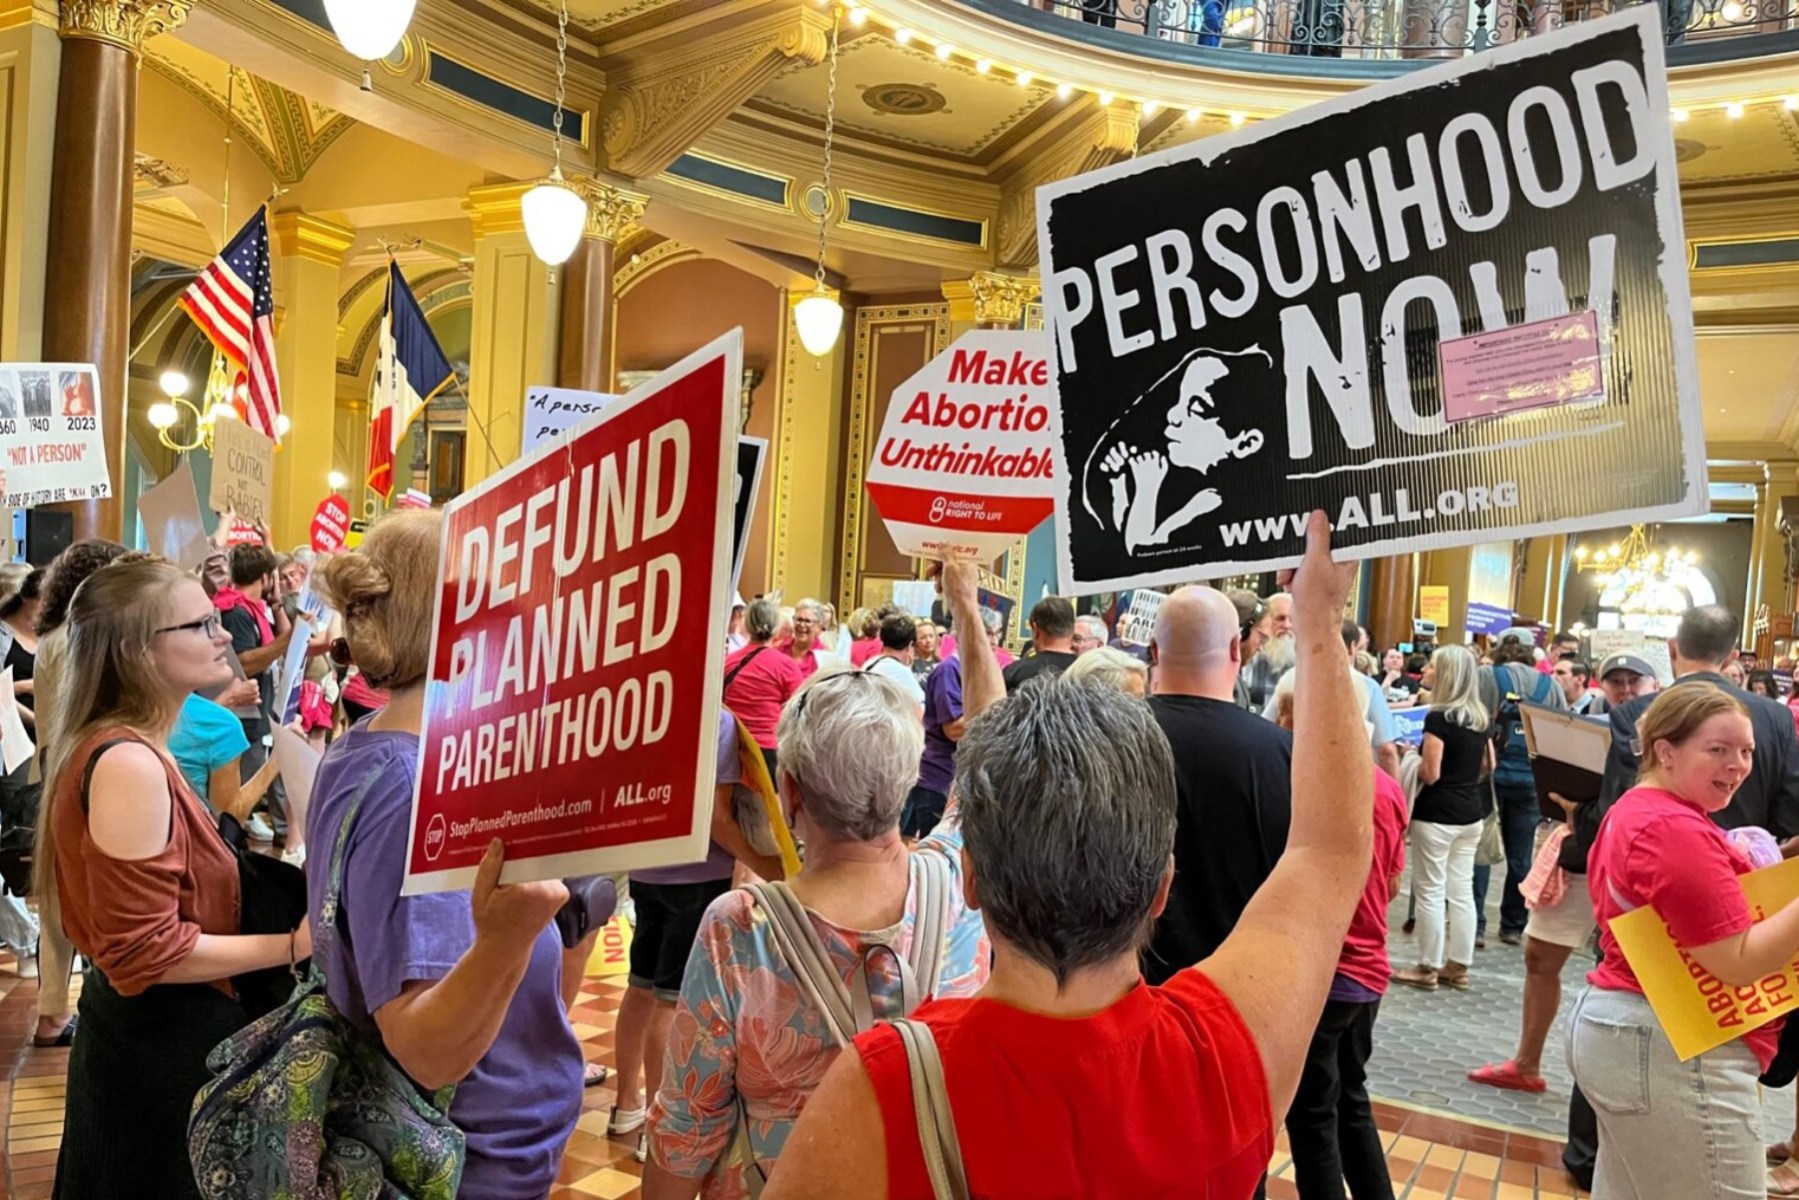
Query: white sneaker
{"type": "Point", "coordinates": [259, 829]}
{"type": "Point", "coordinates": [27, 966]}
{"type": "Point", "coordinates": [642, 1153]}
{"type": "Point", "coordinates": [627, 1120]}
{"type": "Point", "coordinates": [294, 858]}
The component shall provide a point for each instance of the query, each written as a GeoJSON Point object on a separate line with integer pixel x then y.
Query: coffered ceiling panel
{"type": "Point", "coordinates": [1714, 147]}
{"type": "Point", "coordinates": [904, 97]}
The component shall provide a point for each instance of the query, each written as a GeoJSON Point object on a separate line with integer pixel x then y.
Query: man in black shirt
{"type": "Point", "coordinates": [1232, 772]}
{"type": "Point", "coordinates": [1052, 633]}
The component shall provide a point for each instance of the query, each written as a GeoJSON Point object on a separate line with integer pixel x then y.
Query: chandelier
{"type": "Point", "coordinates": [1638, 579]}
{"type": "Point", "coordinates": [226, 399]}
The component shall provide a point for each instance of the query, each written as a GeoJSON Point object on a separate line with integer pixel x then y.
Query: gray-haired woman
{"type": "Point", "coordinates": [750, 1040]}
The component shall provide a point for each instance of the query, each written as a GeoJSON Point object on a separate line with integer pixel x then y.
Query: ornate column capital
{"type": "Point", "coordinates": [989, 298]}
{"type": "Point", "coordinates": [124, 23]}
{"type": "Point", "coordinates": [611, 211]}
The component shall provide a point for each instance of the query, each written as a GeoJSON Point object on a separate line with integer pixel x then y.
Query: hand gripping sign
{"type": "Point", "coordinates": [963, 464]}
{"type": "Point", "coordinates": [572, 704]}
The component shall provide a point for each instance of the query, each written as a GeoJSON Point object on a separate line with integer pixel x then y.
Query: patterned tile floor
{"type": "Point", "coordinates": [1446, 1139]}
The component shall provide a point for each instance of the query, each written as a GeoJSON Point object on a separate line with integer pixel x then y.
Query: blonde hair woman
{"type": "Point", "coordinates": [459, 988]}
{"type": "Point", "coordinates": [1126, 672]}
{"type": "Point", "coordinates": [141, 882]}
{"type": "Point", "coordinates": [1666, 1127]}
{"type": "Point", "coordinates": [1446, 820]}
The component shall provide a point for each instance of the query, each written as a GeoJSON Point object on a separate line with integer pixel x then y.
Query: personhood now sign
{"type": "Point", "coordinates": [964, 463]}
{"type": "Point", "coordinates": [1415, 307]}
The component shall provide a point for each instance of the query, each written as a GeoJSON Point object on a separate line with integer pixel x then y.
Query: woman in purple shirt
{"type": "Point", "coordinates": [462, 989]}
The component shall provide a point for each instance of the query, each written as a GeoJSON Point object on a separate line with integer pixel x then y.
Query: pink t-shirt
{"type": "Point", "coordinates": [1654, 848]}
{"type": "Point", "coordinates": [1364, 957]}
{"type": "Point", "coordinates": [863, 649]}
{"type": "Point", "coordinates": [755, 695]}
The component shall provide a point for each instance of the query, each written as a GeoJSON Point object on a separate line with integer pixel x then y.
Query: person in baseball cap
{"type": "Point", "coordinates": [1622, 676]}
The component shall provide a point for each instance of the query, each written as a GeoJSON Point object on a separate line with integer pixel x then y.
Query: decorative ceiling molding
{"type": "Point", "coordinates": [287, 132]}
{"type": "Point", "coordinates": [654, 112]}
{"type": "Point", "coordinates": [1107, 135]}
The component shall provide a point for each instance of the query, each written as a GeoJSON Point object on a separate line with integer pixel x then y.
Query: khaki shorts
{"type": "Point", "coordinates": [1568, 922]}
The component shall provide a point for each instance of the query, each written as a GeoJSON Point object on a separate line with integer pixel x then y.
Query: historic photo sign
{"type": "Point", "coordinates": [1432, 308]}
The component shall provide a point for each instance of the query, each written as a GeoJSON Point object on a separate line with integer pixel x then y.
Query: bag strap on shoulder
{"type": "Point", "coordinates": [741, 664]}
{"type": "Point", "coordinates": [930, 1107]}
{"type": "Point", "coordinates": [798, 943]}
{"type": "Point", "coordinates": [930, 922]}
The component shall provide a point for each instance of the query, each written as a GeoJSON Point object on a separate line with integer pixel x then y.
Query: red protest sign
{"type": "Point", "coordinates": [242, 533]}
{"type": "Point", "coordinates": [572, 703]}
{"type": "Point", "coordinates": [964, 459]}
{"type": "Point", "coordinates": [330, 524]}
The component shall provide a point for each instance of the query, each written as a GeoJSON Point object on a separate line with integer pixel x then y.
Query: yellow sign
{"type": "Point", "coordinates": [1433, 604]}
{"type": "Point", "coordinates": [1697, 1010]}
{"type": "Point", "coordinates": [612, 952]}
{"type": "Point", "coordinates": [754, 768]}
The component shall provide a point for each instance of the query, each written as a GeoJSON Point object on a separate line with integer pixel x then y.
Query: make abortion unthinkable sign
{"type": "Point", "coordinates": [572, 704]}
{"type": "Point", "coordinates": [1428, 307]}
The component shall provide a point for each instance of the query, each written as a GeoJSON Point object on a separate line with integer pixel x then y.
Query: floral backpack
{"type": "Point", "coordinates": [304, 1106]}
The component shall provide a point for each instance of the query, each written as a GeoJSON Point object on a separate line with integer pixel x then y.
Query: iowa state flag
{"type": "Point", "coordinates": [410, 369]}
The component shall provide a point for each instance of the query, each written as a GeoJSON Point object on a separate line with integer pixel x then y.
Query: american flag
{"type": "Point", "coordinates": [232, 300]}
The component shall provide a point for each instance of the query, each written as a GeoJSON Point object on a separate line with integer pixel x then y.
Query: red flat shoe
{"type": "Point", "coordinates": [1506, 1075]}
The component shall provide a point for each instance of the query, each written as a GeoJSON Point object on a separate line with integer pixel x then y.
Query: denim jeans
{"type": "Point", "coordinates": [1666, 1128]}
{"type": "Point", "coordinates": [1518, 821]}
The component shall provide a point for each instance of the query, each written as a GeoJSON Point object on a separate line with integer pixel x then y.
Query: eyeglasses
{"type": "Point", "coordinates": [208, 625]}
{"type": "Point", "coordinates": [799, 710]}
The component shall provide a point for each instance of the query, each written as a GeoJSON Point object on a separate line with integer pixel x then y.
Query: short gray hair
{"type": "Point", "coordinates": [851, 741]}
{"type": "Point", "coordinates": [994, 622]}
{"type": "Point", "coordinates": [1068, 835]}
{"type": "Point", "coordinates": [1095, 627]}
{"type": "Point", "coordinates": [761, 619]}
{"type": "Point", "coordinates": [815, 606]}
{"type": "Point", "coordinates": [1109, 666]}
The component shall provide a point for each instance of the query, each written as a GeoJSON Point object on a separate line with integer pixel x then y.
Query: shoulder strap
{"type": "Point", "coordinates": [930, 1107]}
{"type": "Point", "coordinates": [741, 664]}
{"type": "Point", "coordinates": [93, 758]}
{"type": "Point", "coordinates": [334, 880]}
{"type": "Point", "coordinates": [929, 922]}
{"type": "Point", "coordinates": [797, 942]}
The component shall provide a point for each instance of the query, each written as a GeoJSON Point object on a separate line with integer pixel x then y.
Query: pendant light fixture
{"type": "Point", "coordinates": [555, 214]}
{"type": "Point", "coordinates": [369, 29]}
{"type": "Point", "coordinates": [819, 317]}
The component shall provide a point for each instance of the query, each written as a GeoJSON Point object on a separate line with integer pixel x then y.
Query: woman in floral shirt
{"type": "Point", "coordinates": [745, 1037]}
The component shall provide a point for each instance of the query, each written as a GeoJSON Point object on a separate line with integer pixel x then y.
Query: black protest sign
{"type": "Point", "coordinates": [1439, 309]}
{"type": "Point", "coordinates": [751, 454]}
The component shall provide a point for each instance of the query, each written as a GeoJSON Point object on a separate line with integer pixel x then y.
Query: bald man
{"type": "Point", "coordinates": [1231, 771]}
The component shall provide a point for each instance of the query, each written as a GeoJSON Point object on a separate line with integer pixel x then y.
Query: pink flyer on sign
{"type": "Point", "coordinates": [1555, 361]}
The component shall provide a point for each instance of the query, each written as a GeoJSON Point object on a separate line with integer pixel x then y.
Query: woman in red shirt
{"type": "Point", "coordinates": [1067, 1074]}
{"type": "Point", "coordinates": [1668, 1128]}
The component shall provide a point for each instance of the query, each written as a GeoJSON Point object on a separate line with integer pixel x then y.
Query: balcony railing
{"type": "Point", "coordinates": [1396, 30]}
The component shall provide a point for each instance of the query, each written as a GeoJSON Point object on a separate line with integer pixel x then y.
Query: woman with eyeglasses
{"type": "Point", "coordinates": [748, 1046]}
{"type": "Point", "coordinates": [141, 882]}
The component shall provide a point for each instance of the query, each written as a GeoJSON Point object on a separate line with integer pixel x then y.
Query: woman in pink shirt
{"type": "Point", "coordinates": [1668, 1128]}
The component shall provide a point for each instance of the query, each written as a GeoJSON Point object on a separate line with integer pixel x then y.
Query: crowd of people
{"type": "Point", "coordinates": [1170, 938]}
